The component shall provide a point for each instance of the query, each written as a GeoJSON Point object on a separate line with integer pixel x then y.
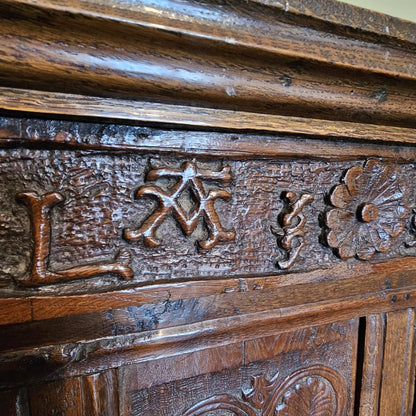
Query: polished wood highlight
{"type": "Point", "coordinates": [86, 136]}
{"type": "Point", "coordinates": [64, 104]}
{"type": "Point", "coordinates": [188, 55]}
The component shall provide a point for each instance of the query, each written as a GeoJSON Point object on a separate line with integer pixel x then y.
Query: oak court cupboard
{"type": "Point", "coordinates": [207, 207]}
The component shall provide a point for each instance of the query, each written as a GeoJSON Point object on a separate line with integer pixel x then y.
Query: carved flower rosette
{"type": "Point", "coordinates": [369, 210]}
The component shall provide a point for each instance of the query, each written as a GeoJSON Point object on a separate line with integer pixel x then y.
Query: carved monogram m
{"type": "Point", "coordinates": [188, 177]}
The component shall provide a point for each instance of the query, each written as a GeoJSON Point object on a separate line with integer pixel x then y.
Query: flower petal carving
{"type": "Point", "coordinates": [369, 210]}
{"type": "Point", "coordinates": [354, 180]}
{"type": "Point", "coordinates": [340, 197]}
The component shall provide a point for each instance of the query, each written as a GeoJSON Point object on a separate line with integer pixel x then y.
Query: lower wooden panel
{"type": "Point", "coordinates": [305, 372]}
{"type": "Point", "coordinates": [389, 364]}
{"type": "Point", "coordinates": [58, 398]}
{"type": "Point", "coordinates": [92, 395]}
{"type": "Point", "coordinates": [310, 371]}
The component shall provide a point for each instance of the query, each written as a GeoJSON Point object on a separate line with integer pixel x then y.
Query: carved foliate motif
{"type": "Point", "coordinates": [369, 210]}
{"type": "Point", "coordinates": [311, 396]}
{"type": "Point", "coordinates": [189, 178]}
{"type": "Point", "coordinates": [319, 391]}
{"type": "Point", "coordinates": [292, 221]}
{"type": "Point", "coordinates": [413, 230]}
{"type": "Point", "coordinates": [39, 210]}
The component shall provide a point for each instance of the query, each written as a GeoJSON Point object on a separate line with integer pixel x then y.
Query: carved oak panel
{"type": "Point", "coordinates": [305, 372]}
{"type": "Point", "coordinates": [224, 224]}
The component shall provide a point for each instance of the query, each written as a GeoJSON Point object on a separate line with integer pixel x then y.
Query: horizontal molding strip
{"type": "Point", "coordinates": [340, 13]}
{"type": "Point", "coordinates": [74, 105]}
{"type": "Point", "coordinates": [109, 352]}
{"type": "Point", "coordinates": [40, 307]}
{"type": "Point", "coordinates": [239, 56]}
{"type": "Point", "coordinates": [210, 21]}
{"type": "Point", "coordinates": [330, 11]}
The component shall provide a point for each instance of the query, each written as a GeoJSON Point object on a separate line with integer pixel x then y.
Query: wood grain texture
{"type": "Point", "coordinates": [100, 394]}
{"type": "Point", "coordinates": [145, 334]}
{"type": "Point", "coordinates": [90, 226]}
{"type": "Point", "coordinates": [372, 365]}
{"type": "Point", "coordinates": [48, 307]}
{"type": "Point", "coordinates": [131, 320]}
{"type": "Point", "coordinates": [337, 336]}
{"type": "Point", "coordinates": [179, 158]}
{"type": "Point", "coordinates": [64, 104]}
{"type": "Point", "coordinates": [397, 382]}
{"type": "Point", "coordinates": [14, 403]}
{"type": "Point", "coordinates": [53, 306]}
{"type": "Point", "coordinates": [122, 312]}
{"type": "Point", "coordinates": [146, 375]}
{"type": "Point", "coordinates": [14, 310]}
{"type": "Point", "coordinates": [305, 10]}
{"type": "Point", "coordinates": [254, 388]}
{"type": "Point", "coordinates": [347, 15]}
{"type": "Point", "coordinates": [256, 62]}
{"type": "Point", "coordinates": [58, 398]}
{"type": "Point", "coordinates": [96, 394]}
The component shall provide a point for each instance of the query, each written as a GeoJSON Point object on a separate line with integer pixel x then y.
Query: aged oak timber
{"type": "Point", "coordinates": [206, 208]}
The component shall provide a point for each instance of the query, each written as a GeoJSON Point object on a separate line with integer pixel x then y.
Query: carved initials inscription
{"type": "Point", "coordinates": [293, 222]}
{"type": "Point", "coordinates": [318, 391]}
{"type": "Point", "coordinates": [39, 209]}
{"type": "Point", "coordinates": [188, 178]}
{"type": "Point", "coordinates": [367, 212]}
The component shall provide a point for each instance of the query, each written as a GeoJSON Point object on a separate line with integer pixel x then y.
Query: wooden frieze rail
{"type": "Point", "coordinates": [365, 215]}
